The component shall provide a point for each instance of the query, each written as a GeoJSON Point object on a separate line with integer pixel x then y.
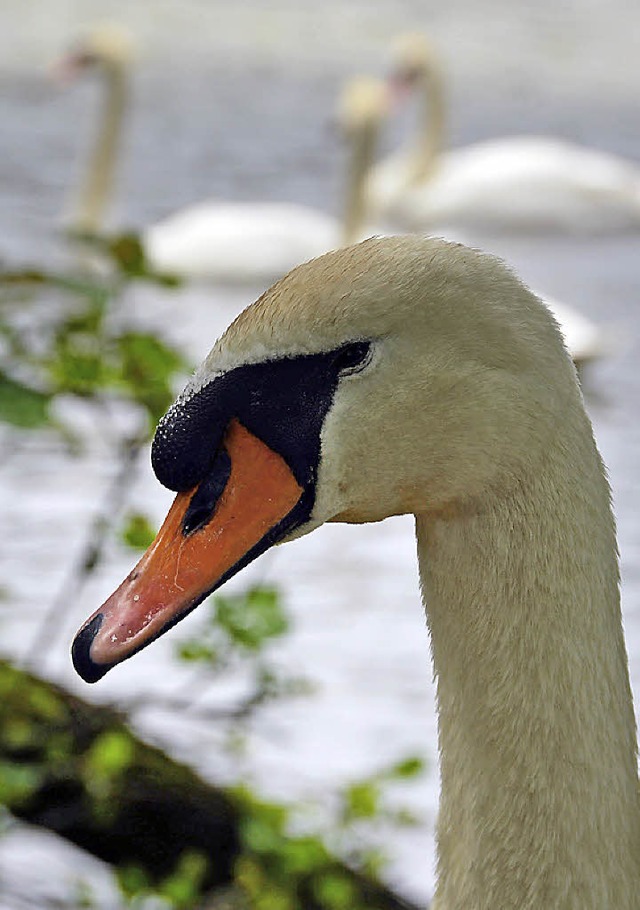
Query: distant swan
{"type": "Point", "coordinates": [511, 183]}
{"type": "Point", "coordinates": [227, 241]}
{"type": "Point", "coordinates": [585, 341]}
{"type": "Point", "coordinates": [406, 375]}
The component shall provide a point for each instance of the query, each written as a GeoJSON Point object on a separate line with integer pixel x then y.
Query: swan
{"type": "Point", "coordinates": [528, 183]}
{"type": "Point", "coordinates": [109, 49]}
{"type": "Point", "coordinates": [227, 241]}
{"type": "Point", "coordinates": [414, 375]}
{"type": "Point", "coordinates": [239, 241]}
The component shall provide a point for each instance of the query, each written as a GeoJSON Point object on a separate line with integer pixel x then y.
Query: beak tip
{"type": "Point", "coordinates": [85, 667]}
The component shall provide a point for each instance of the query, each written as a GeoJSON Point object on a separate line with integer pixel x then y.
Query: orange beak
{"type": "Point", "coordinates": [180, 568]}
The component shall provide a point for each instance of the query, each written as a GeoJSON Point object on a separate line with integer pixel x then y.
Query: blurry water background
{"type": "Point", "coordinates": [234, 100]}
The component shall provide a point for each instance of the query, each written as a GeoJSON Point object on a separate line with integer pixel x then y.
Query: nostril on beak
{"type": "Point", "coordinates": [81, 651]}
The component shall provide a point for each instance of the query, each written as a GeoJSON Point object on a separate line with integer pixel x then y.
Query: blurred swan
{"type": "Point", "coordinates": [265, 240]}
{"type": "Point", "coordinates": [515, 182]}
{"type": "Point", "coordinates": [109, 49]}
{"type": "Point", "coordinates": [227, 241]}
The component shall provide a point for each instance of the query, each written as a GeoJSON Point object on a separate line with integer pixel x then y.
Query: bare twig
{"type": "Point", "coordinates": [239, 711]}
{"type": "Point", "coordinates": [90, 554]}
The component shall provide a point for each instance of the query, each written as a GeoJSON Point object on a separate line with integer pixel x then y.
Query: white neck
{"type": "Point", "coordinates": [431, 128]}
{"type": "Point", "coordinates": [539, 789]}
{"type": "Point", "coordinates": [360, 162]}
{"type": "Point", "coordinates": [97, 188]}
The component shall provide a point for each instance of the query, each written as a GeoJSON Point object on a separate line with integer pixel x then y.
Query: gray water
{"type": "Point", "coordinates": [234, 101]}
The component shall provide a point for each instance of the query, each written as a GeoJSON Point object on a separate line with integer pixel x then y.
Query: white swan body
{"type": "Point", "coordinates": [228, 241]}
{"type": "Point", "coordinates": [520, 183]}
{"type": "Point", "coordinates": [411, 375]}
{"type": "Point", "coordinates": [239, 241]}
{"type": "Point", "coordinates": [258, 241]}
{"type": "Point", "coordinates": [527, 183]}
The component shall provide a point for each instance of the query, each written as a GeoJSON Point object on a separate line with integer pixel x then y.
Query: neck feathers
{"type": "Point", "coordinates": [431, 136]}
{"type": "Point", "coordinates": [539, 804]}
{"type": "Point", "coordinates": [98, 188]}
{"type": "Point", "coordinates": [361, 159]}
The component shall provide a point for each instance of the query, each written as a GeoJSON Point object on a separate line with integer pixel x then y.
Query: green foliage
{"type": "Point", "coordinates": [335, 891]}
{"type": "Point", "coordinates": [409, 767]}
{"type": "Point", "coordinates": [73, 345]}
{"type": "Point", "coordinates": [282, 870]}
{"type": "Point", "coordinates": [235, 633]}
{"type": "Point", "coordinates": [181, 889]}
{"type": "Point", "coordinates": [250, 618]}
{"type": "Point", "coordinates": [138, 532]}
{"type": "Point", "coordinates": [363, 799]}
{"type": "Point", "coordinates": [18, 782]}
{"type": "Point", "coordinates": [244, 621]}
{"type": "Point", "coordinates": [103, 769]}
{"type": "Point", "coordinates": [21, 405]}
{"type": "Point", "coordinates": [146, 367]}
{"type": "Point", "coordinates": [133, 882]}
{"type": "Point", "coordinates": [274, 863]}
{"type": "Point", "coordinates": [238, 626]}
{"type": "Point", "coordinates": [110, 755]}
{"type": "Point", "coordinates": [28, 746]}
{"type": "Point", "coordinates": [126, 254]}
{"type": "Point", "coordinates": [196, 651]}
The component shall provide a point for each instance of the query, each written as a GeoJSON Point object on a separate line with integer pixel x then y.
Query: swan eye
{"type": "Point", "coordinates": [352, 357]}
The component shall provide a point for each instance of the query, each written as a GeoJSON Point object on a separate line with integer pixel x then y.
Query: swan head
{"type": "Point", "coordinates": [403, 374]}
{"type": "Point", "coordinates": [412, 60]}
{"type": "Point", "coordinates": [363, 103]}
{"type": "Point", "coordinates": [107, 46]}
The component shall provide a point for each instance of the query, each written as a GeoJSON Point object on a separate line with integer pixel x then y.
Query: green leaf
{"type": "Point", "coordinates": [17, 733]}
{"type": "Point", "coordinates": [46, 704]}
{"type": "Point", "coordinates": [259, 836]}
{"type": "Point", "coordinates": [21, 405]}
{"type": "Point", "coordinates": [147, 368]}
{"type": "Point", "coordinates": [138, 532]}
{"type": "Point", "coordinates": [274, 815]}
{"type": "Point", "coordinates": [194, 650]}
{"type": "Point", "coordinates": [335, 891]}
{"type": "Point", "coordinates": [132, 881]}
{"type": "Point", "coordinates": [249, 619]}
{"type": "Point", "coordinates": [411, 766]}
{"type": "Point", "coordinates": [372, 861]}
{"type": "Point", "coordinates": [79, 366]}
{"type": "Point", "coordinates": [302, 855]}
{"type": "Point", "coordinates": [403, 817]}
{"type": "Point", "coordinates": [127, 252]}
{"type": "Point", "coordinates": [361, 800]}
{"type": "Point", "coordinates": [261, 892]}
{"type": "Point", "coordinates": [18, 782]}
{"type": "Point", "coordinates": [87, 321]}
{"type": "Point", "coordinates": [110, 754]}
{"type": "Point", "coordinates": [183, 888]}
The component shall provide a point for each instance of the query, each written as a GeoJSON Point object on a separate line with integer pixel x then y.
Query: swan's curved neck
{"type": "Point", "coordinates": [539, 789]}
{"type": "Point", "coordinates": [97, 188]}
{"type": "Point", "coordinates": [360, 162]}
{"type": "Point", "coordinates": [431, 130]}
